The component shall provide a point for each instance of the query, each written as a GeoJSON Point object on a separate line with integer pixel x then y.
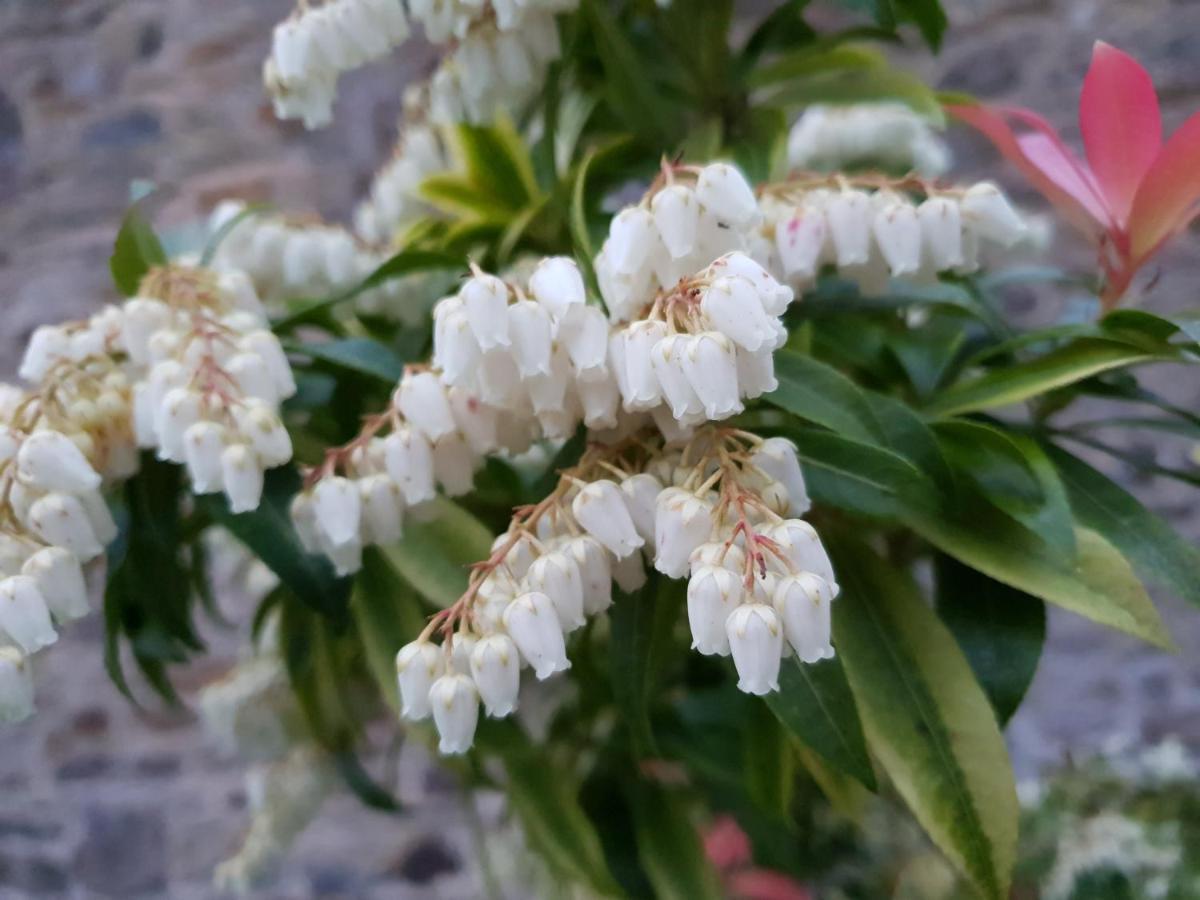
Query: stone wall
{"type": "Point", "coordinates": [101, 798]}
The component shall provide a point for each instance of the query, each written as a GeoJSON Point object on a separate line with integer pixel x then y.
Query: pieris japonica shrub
{"type": "Point", "coordinates": [653, 445]}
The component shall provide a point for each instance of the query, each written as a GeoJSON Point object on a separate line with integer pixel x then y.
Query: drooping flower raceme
{"type": "Point", "coordinates": [866, 135]}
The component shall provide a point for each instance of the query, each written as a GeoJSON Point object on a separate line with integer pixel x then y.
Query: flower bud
{"type": "Point", "coordinates": [532, 623]}
{"type": "Point", "coordinates": [631, 236]}
{"type": "Point", "coordinates": [51, 461]}
{"type": "Point", "coordinates": [242, 475]}
{"type": "Point", "coordinates": [898, 234]}
{"type": "Point", "coordinates": [710, 366]}
{"type": "Point", "coordinates": [557, 285]}
{"type": "Point", "coordinates": [455, 705]}
{"type": "Point", "coordinates": [676, 214]}
{"type": "Point", "coordinates": [682, 522]}
{"type": "Point", "coordinates": [24, 618]}
{"type": "Point", "coordinates": [62, 520]}
{"type": "Point", "coordinates": [640, 338]}
{"type": "Point", "coordinates": [496, 668]}
{"type": "Point", "coordinates": [485, 302]}
{"type": "Point", "coordinates": [421, 397]}
{"type": "Point", "coordinates": [600, 508]}
{"type": "Point", "coordinates": [16, 686]}
{"type": "Point", "coordinates": [558, 577]}
{"type": "Point", "coordinates": [988, 211]}
{"type": "Point", "coordinates": [941, 233]}
{"type": "Point", "coordinates": [777, 458]}
{"type": "Point", "coordinates": [60, 581]}
{"type": "Point", "coordinates": [803, 602]}
{"type": "Point", "coordinates": [713, 593]}
{"type": "Point", "coordinates": [724, 192]}
{"type": "Point", "coordinates": [529, 329]}
{"type": "Point", "coordinates": [732, 305]}
{"type": "Point", "coordinates": [409, 460]}
{"type": "Point", "coordinates": [848, 213]}
{"type": "Point", "coordinates": [338, 508]}
{"type": "Point", "coordinates": [756, 643]}
{"type": "Point", "coordinates": [800, 544]}
{"type": "Point", "coordinates": [203, 443]}
{"type": "Point", "coordinates": [417, 665]}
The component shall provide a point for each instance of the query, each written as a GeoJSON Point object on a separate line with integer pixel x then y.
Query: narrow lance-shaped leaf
{"type": "Point", "coordinates": [926, 718]}
{"type": "Point", "coordinates": [824, 396]}
{"type": "Point", "coordinates": [641, 634]}
{"type": "Point", "coordinates": [135, 250]}
{"type": "Point", "coordinates": [433, 556]}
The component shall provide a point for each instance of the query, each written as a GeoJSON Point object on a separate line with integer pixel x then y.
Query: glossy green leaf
{"type": "Point", "coordinates": [769, 761]}
{"type": "Point", "coordinates": [814, 702]}
{"type": "Point", "coordinates": [669, 846]}
{"type": "Point", "coordinates": [1011, 384]}
{"type": "Point", "coordinates": [809, 61]}
{"type": "Point", "coordinates": [1157, 552]}
{"type": "Point", "coordinates": [859, 85]}
{"type": "Point", "coordinates": [1000, 630]}
{"type": "Point", "coordinates": [434, 556]}
{"type": "Point", "coordinates": [497, 161]}
{"type": "Point", "coordinates": [1098, 583]}
{"type": "Point", "coordinates": [906, 434]}
{"type": "Point", "coordinates": [361, 356]}
{"type": "Point", "coordinates": [824, 396]}
{"type": "Point", "coordinates": [388, 615]}
{"type": "Point", "coordinates": [926, 719]}
{"type": "Point", "coordinates": [135, 251]}
{"type": "Point", "coordinates": [642, 624]}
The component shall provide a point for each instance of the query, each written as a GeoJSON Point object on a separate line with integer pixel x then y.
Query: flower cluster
{"type": "Point", "coordinates": [715, 508]}
{"type": "Point", "coordinates": [866, 135]}
{"type": "Point", "coordinates": [311, 48]}
{"type": "Point", "coordinates": [871, 229]}
{"type": "Point", "coordinates": [447, 20]}
{"type": "Point", "coordinates": [430, 436]}
{"type": "Point", "coordinates": [214, 376]}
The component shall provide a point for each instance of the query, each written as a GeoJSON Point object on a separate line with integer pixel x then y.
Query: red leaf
{"type": "Point", "coordinates": [1168, 196]}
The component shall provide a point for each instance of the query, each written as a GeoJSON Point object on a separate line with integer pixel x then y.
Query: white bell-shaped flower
{"type": "Point", "coordinates": [803, 602]}
{"type": "Point", "coordinates": [719, 553]}
{"type": "Point", "coordinates": [24, 617]}
{"type": "Point", "coordinates": [418, 664]}
{"type": "Point", "coordinates": [202, 446]}
{"type": "Point", "coordinates": [583, 331]}
{"type": "Point", "coordinates": [645, 391]}
{"type": "Point", "coordinates": [409, 460]}
{"type": "Point", "coordinates": [548, 393]}
{"type": "Point", "coordinates": [713, 593]}
{"type": "Point", "coordinates": [774, 296]}
{"type": "Point", "coordinates": [338, 508]}
{"type": "Point", "coordinates": [800, 240]}
{"type": "Point", "coordinates": [180, 409]}
{"type": "Point", "coordinates": [756, 644]}
{"type": "Point", "coordinates": [710, 365]}
{"type": "Point", "coordinates": [601, 400]}
{"type": "Point", "coordinates": [454, 465]}
{"type": "Point", "coordinates": [630, 573]}
{"type": "Point", "coordinates": [532, 623]}
{"type": "Point", "coordinates": [756, 372]}
{"type": "Point", "coordinates": [421, 397]}
{"type": "Point", "coordinates": [99, 516]}
{"type": "Point", "coordinates": [304, 519]}
{"type": "Point", "coordinates": [242, 477]}
{"type": "Point", "coordinates": [62, 520]}
{"type": "Point", "coordinates": [47, 345]}
{"type": "Point", "coordinates": [251, 377]}
{"type": "Point", "coordinates": [988, 211]}
{"type": "Point", "coordinates": [734, 308]}
{"type": "Point", "coordinates": [53, 462]}
{"type": "Point", "coordinates": [776, 457]}
{"type": "Point", "coordinates": [601, 509]}
{"type": "Point", "coordinates": [485, 302]}
{"type": "Point", "coordinates": [520, 554]}
{"type": "Point", "coordinates": [941, 233]}
{"type": "Point", "coordinates": [59, 578]}
{"type": "Point", "coordinates": [382, 509]}
{"type": "Point", "coordinates": [261, 426]}
{"type": "Point", "coordinates": [16, 686]}
{"type": "Point", "coordinates": [499, 380]}
{"type": "Point", "coordinates": [802, 546]}
{"type": "Point", "coordinates": [476, 420]}
{"type": "Point", "coordinates": [557, 575]}
{"type": "Point", "coordinates": [531, 334]}
{"type": "Point", "coordinates": [641, 494]}
{"type": "Point", "coordinates": [682, 522]}
{"type": "Point", "coordinates": [267, 346]}
{"type": "Point", "coordinates": [631, 237]}
{"type": "Point", "coordinates": [595, 573]}
{"type": "Point", "coordinates": [676, 213]}
{"type": "Point", "coordinates": [557, 285]}
{"type": "Point", "coordinates": [141, 318]}
{"type": "Point", "coordinates": [457, 349]}
{"type": "Point", "coordinates": [723, 191]}
{"type": "Point", "coordinates": [454, 702]}
{"type": "Point", "coordinates": [496, 668]}
{"type": "Point", "coordinates": [667, 358]}
{"type": "Point", "coordinates": [462, 643]}
{"type": "Point", "coordinates": [849, 213]}
{"type": "Point", "coordinates": [898, 234]}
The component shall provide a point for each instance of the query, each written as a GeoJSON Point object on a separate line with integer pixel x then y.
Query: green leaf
{"type": "Point", "coordinates": [135, 251]}
{"type": "Point", "coordinates": [814, 702]}
{"type": "Point", "coordinates": [929, 17]}
{"type": "Point", "coordinates": [1154, 548]}
{"type": "Point", "coordinates": [642, 624]}
{"type": "Point", "coordinates": [669, 846]}
{"type": "Point", "coordinates": [808, 61]}
{"type": "Point", "coordinates": [270, 535]}
{"type": "Point", "coordinates": [769, 761]}
{"type": "Point", "coordinates": [926, 719]}
{"type": "Point", "coordinates": [497, 162]}
{"type": "Point", "coordinates": [1011, 384]}
{"type": "Point", "coordinates": [388, 615]}
{"type": "Point", "coordinates": [1000, 629]}
{"type": "Point", "coordinates": [362, 356]}
{"type": "Point", "coordinates": [823, 395]}
{"type": "Point", "coordinates": [433, 556]}
{"type": "Point", "coordinates": [859, 85]}
{"type": "Point", "coordinates": [907, 435]}
{"type": "Point", "coordinates": [1098, 583]}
